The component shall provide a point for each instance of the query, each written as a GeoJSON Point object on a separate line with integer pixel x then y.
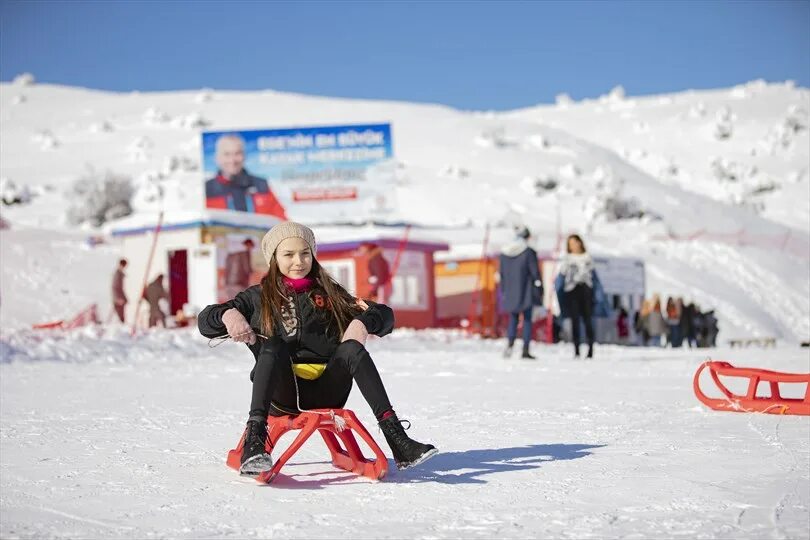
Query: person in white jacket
{"type": "Point", "coordinates": [576, 267]}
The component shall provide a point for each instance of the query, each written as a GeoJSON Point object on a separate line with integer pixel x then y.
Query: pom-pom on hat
{"type": "Point", "coordinates": [282, 231]}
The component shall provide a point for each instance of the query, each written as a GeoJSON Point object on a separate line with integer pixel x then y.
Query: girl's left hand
{"type": "Point", "coordinates": [362, 304]}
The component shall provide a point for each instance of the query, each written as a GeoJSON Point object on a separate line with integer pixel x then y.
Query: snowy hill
{"type": "Point", "coordinates": [719, 178]}
{"type": "Point", "coordinates": [746, 146]}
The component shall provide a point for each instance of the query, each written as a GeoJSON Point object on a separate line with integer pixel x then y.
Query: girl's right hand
{"type": "Point", "coordinates": [238, 327]}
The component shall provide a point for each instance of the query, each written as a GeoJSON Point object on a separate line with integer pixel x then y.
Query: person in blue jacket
{"type": "Point", "coordinates": [579, 291]}
{"type": "Point", "coordinates": [521, 288]}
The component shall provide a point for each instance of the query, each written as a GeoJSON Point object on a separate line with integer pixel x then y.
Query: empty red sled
{"type": "Point", "coordinates": [750, 402]}
{"type": "Point", "coordinates": [335, 426]}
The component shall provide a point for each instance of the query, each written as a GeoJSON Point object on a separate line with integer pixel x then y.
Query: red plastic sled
{"type": "Point", "coordinates": [88, 315]}
{"type": "Point", "coordinates": [750, 402]}
{"type": "Point", "coordinates": [348, 457]}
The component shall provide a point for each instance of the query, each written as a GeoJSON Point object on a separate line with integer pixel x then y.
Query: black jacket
{"type": "Point", "coordinates": [316, 336]}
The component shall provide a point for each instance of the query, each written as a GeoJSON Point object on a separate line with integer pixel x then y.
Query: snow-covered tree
{"type": "Point", "coordinates": [724, 128]}
{"type": "Point", "coordinates": [698, 110]}
{"type": "Point", "coordinates": [97, 197]}
{"type": "Point", "coordinates": [563, 101]}
{"type": "Point", "coordinates": [616, 94]}
{"type": "Point", "coordinates": [796, 119]}
{"type": "Point", "coordinates": [608, 201]}
{"type": "Point", "coordinates": [45, 139]}
{"type": "Point", "coordinates": [24, 79]}
{"type": "Point", "coordinates": [10, 193]}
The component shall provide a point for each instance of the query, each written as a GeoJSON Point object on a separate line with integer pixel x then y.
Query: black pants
{"type": "Point", "coordinates": [274, 384]}
{"type": "Point", "coordinates": [580, 304]}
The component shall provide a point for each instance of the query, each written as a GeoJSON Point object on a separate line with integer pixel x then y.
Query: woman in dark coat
{"type": "Point", "coordinates": [521, 288]}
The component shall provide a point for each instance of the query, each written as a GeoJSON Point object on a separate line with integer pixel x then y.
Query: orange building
{"type": "Point", "coordinates": [468, 296]}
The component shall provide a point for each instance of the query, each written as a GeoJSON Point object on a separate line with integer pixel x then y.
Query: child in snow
{"type": "Point", "coordinates": [314, 345]}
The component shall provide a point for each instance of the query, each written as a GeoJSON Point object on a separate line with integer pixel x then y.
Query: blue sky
{"type": "Point", "coordinates": [470, 55]}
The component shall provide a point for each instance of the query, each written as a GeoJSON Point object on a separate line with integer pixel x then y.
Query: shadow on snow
{"type": "Point", "coordinates": [467, 467]}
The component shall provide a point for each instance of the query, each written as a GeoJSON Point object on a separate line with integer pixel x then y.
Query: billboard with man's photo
{"type": "Point", "coordinates": [325, 174]}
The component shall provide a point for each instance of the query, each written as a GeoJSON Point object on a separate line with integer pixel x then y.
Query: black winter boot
{"type": "Point", "coordinates": [407, 452]}
{"type": "Point", "coordinates": [507, 352]}
{"type": "Point", "coordinates": [590, 350]}
{"type": "Point", "coordinates": [526, 355]}
{"type": "Point", "coordinates": [255, 455]}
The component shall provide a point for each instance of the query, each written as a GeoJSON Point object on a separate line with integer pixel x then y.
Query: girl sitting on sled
{"type": "Point", "coordinates": [308, 336]}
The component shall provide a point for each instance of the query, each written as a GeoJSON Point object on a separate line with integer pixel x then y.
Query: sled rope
{"type": "Point", "coordinates": [340, 423]}
{"type": "Point", "coordinates": [737, 407]}
{"type": "Point", "coordinates": [217, 341]}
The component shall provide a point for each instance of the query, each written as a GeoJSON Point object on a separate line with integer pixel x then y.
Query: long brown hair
{"type": "Point", "coordinates": [578, 239]}
{"type": "Point", "coordinates": [275, 293]}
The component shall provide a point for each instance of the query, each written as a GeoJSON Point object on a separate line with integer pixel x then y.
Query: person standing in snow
{"type": "Point", "coordinates": [379, 272]}
{"type": "Point", "coordinates": [153, 294]}
{"type": "Point", "coordinates": [687, 323]}
{"type": "Point", "coordinates": [308, 335]}
{"type": "Point", "coordinates": [622, 328]}
{"type": "Point", "coordinates": [674, 312]}
{"type": "Point", "coordinates": [238, 269]}
{"type": "Point", "coordinates": [711, 328]}
{"type": "Point", "coordinates": [656, 325]}
{"type": "Point", "coordinates": [576, 285]}
{"type": "Point", "coordinates": [521, 288]}
{"type": "Point", "coordinates": [119, 297]}
{"type": "Point", "coordinates": [640, 325]}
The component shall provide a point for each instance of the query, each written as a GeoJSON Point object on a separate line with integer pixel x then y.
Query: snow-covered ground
{"type": "Point", "coordinates": [108, 437]}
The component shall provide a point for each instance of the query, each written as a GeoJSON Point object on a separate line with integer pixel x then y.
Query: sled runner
{"type": "Point", "coordinates": [750, 402]}
{"type": "Point", "coordinates": [335, 426]}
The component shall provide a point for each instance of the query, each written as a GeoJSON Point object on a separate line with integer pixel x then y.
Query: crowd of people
{"type": "Point", "coordinates": [581, 297]}
{"type": "Point", "coordinates": [676, 324]}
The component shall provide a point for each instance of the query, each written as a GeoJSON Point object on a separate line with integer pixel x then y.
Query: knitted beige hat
{"type": "Point", "coordinates": [282, 231]}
